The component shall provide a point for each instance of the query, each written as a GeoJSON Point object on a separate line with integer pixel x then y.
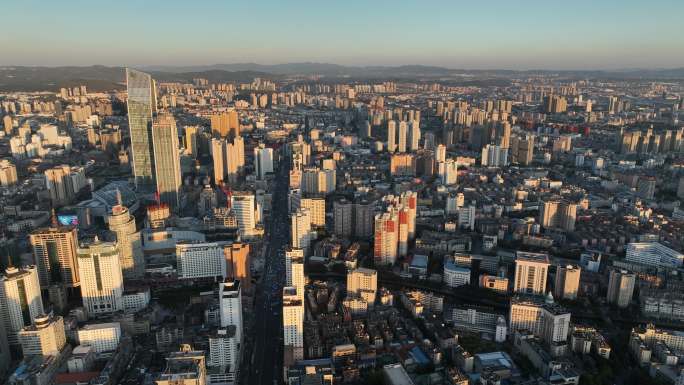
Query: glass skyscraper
{"type": "Point", "coordinates": [167, 165]}
{"type": "Point", "coordinates": [141, 107]}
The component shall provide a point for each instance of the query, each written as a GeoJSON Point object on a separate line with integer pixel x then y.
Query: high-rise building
{"type": "Point", "coordinates": [363, 283]}
{"type": "Point", "coordinates": [46, 337]}
{"type": "Point", "coordinates": [230, 306]}
{"type": "Point", "coordinates": [300, 230]}
{"type": "Point", "coordinates": [8, 173]}
{"type": "Point", "coordinates": [243, 204]}
{"type": "Point", "coordinates": [440, 153]}
{"type": "Point", "coordinates": [228, 158]}
{"type": "Point", "coordinates": [63, 182]}
{"type": "Point", "coordinates": [391, 136]}
{"type": "Point", "coordinates": [20, 300]}
{"type": "Point", "coordinates": [680, 188]}
{"type": "Point", "coordinates": [293, 323]}
{"type": "Point", "coordinates": [201, 259]}
{"type": "Point", "coordinates": [385, 244]}
{"type": "Point", "coordinates": [414, 135]}
{"type": "Point", "coordinates": [190, 143]}
{"type": "Point", "coordinates": [494, 156]}
{"type": "Point", "coordinates": [54, 250]}
{"type": "Point", "coordinates": [448, 172]}
{"type": "Point", "coordinates": [543, 318]}
{"type": "Point", "coordinates": [167, 160]}
{"type": "Point", "coordinates": [101, 278]}
{"type": "Point", "coordinates": [403, 136]}
{"type": "Point", "coordinates": [142, 105]}
{"type": "Point", "coordinates": [185, 367]}
{"type": "Point", "coordinates": [294, 270]}
{"type": "Point", "coordinates": [263, 161]}
{"type": "Point", "coordinates": [621, 287]}
{"type": "Point", "coordinates": [522, 149]}
{"type": "Point", "coordinates": [122, 223]}
{"type": "Point", "coordinates": [530, 273]}
{"type": "Point", "coordinates": [224, 349]}
{"type": "Point", "coordinates": [238, 263]}
{"type": "Point", "coordinates": [316, 207]}
{"type": "Point", "coordinates": [567, 281]}
{"type": "Point", "coordinates": [225, 124]}
{"type": "Point", "coordinates": [561, 214]}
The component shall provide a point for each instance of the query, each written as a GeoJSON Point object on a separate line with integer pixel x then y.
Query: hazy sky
{"type": "Point", "coordinates": [517, 34]}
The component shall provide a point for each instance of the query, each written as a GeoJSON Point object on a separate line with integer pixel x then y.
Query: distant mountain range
{"type": "Point", "coordinates": [97, 77]}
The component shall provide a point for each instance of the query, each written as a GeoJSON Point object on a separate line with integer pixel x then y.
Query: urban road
{"type": "Point", "coordinates": [264, 365]}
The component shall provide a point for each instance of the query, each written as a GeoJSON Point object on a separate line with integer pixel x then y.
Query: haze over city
{"type": "Point", "coordinates": [455, 34]}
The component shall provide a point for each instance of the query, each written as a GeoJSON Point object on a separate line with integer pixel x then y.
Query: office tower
{"type": "Point", "coordinates": [555, 323]}
{"type": "Point", "coordinates": [567, 281]}
{"type": "Point", "coordinates": [525, 313]}
{"type": "Point", "coordinates": [294, 270]}
{"type": "Point", "coordinates": [190, 142]}
{"type": "Point", "coordinates": [54, 250]}
{"type": "Point", "coordinates": [101, 278]}
{"type": "Point", "coordinates": [414, 135]}
{"type": "Point", "coordinates": [230, 306]}
{"type": "Point", "coordinates": [316, 207]}
{"type": "Point", "coordinates": [621, 287]}
{"type": "Point", "coordinates": [363, 283]}
{"type": "Point", "coordinates": [8, 173]}
{"type": "Point", "coordinates": [530, 273]}
{"type": "Point", "coordinates": [122, 223]}
{"type": "Point", "coordinates": [142, 105]}
{"type": "Point", "coordinates": [200, 260]}
{"type": "Point", "coordinates": [403, 136]}
{"type": "Point", "coordinates": [263, 161]}
{"type": "Point", "coordinates": [494, 156]}
{"type": "Point", "coordinates": [46, 337]}
{"type": "Point", "coordinates": [20, 301]}
{"type": "Point", "coordinates": [385, 244]}
{"type": "Point", "coordinates": [522, 149]}
{"type": "Point", "coordinates": [391, 136]}
{"type": "Point", "coordinates": [300, 230]}
{"type": "Point", "coordinates": [448, 172]}
{"type": "Point", "coordinates": [293, 323]}
{"type": "Point", "coordinates": [243, 204]}
{"type": "Point", "coordinates": [103, 337]}
{"type": "Point", "coordinates": [560, 214]}
{"type": "Point", "coordinates": [167, 160]}
{"type": "Point", "coordinates": [225, 124]}
{"type": "Point", "coordinates": [185, 367]}
{"type": "Point", "coordinates": [238, 263]}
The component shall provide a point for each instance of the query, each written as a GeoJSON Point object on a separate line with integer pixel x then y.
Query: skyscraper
{"type": "Point", "coordinates": [142, 105]}
{"type": "Point", "coordinates": [403, 136]}
{"type": "Point", "coordinates": [621, 287]}
{"type": "Point", "coordinates": [20, 301]}
{"type": "Point", "coordinates": [243, 204]}
{"type": "Point", "coordinates": [300, 230]}
{"type": "Point", "coordinates": [414, 135]}
{"type": "Point", "coordinates": [101, 278]}
{"type": "Point", "coordinates": [167, 160]}
{"type": "Point", "coordinates": [225, 124]}
{"type": "Point", "coordinates": [122, 223]}
{"type": "Point", "coordinates": [385, 245]}
{"type": "Point", "coordinates": [54, 251]}
{"type": "Point", "coordinates": [391, 136]}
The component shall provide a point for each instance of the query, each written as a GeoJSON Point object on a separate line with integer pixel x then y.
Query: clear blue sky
{"type": "Point", "coordinates": [517, 34]}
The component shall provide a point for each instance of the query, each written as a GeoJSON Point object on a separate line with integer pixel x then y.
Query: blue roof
{"type": "Point", "coordinates": [419, 356]}
{"type": "Point", "coordinates": [419, 260]}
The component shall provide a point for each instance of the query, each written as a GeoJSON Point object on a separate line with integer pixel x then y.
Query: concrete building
{"type": "Point", "coordinates": [263, 161]}
{"type": "Point", "coordinates": [103, 337]}
{"type": "Point", "coordinates": [167, 160]}
{"type": "Point", "coordinates": [185, 367]}
{"type": "Point", "coordinates": [567, 282]}
{"type": "Point", "coordinates": [363, 283]}
{"type": "Point", "coordinates": [530, 273]}
{"type": "Point", "coordinates": [101, 277]}
{"type": "Point", "coordinates": [293, 323]}
{"type": "Point", "coordinates": [122, 223]}
{"type": "Point", "coordinates": [230, 306]}
{"type": "Point", "coordinates": [621, 287]}
{"type": "Point", "coordinates": [654, 254]}
{"type": "Point", "coordinates": [201, 259]}
{"type": "Point", "coordinates": [45, 337]}
{"type": "Point", "coordinates": [20, 300]}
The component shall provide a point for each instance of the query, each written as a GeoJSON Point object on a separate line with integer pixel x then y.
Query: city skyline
{"type": "Point", "coordinates": [534, 35]}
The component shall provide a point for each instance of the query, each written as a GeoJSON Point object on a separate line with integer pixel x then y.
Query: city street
{"type": "Point", "coordinates": [265, 363]}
